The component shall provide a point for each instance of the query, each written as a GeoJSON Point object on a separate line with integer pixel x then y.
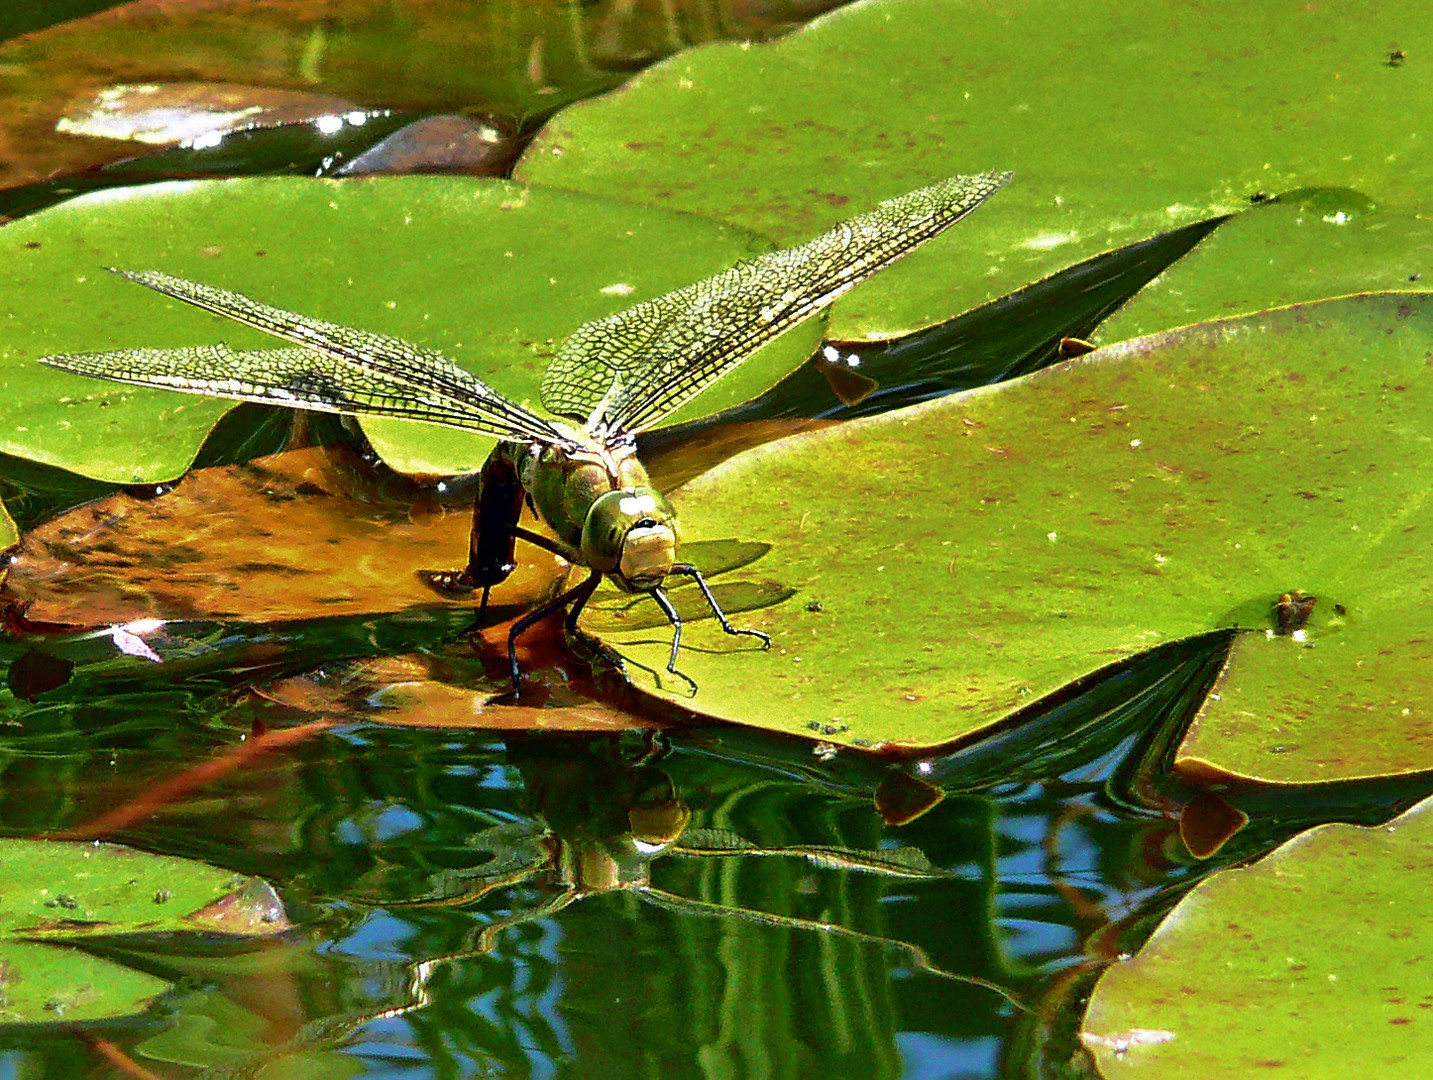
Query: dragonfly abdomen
{"type": "Point", "coordinates": [492, 545]}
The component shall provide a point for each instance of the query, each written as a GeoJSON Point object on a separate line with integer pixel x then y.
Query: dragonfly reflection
{"type": "Point", "coordinates": [601, 823]}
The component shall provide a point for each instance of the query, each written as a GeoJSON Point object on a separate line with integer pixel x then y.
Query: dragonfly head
{"type": "Point", "coordinates": [631, 534]}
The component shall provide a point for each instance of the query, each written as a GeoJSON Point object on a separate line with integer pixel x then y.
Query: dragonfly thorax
{"type": "Point", "coordinates": [598, 500]}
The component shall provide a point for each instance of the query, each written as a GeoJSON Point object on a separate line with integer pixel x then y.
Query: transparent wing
{"type": "Point", "coordinates": [298, 378]}
{"type": "Point", "coordinates": [632, 369]}
{"type": "Point", "coordinates": [339, 369]}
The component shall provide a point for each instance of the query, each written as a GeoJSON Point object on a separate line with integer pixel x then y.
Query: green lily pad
{"type": "Point", "coordinates": [214, 1032]}
{"type": "Point", "coordinates": [490, 273]}
{"type": "Point", "coordinates": [49, 984]}
{"type": "Point", "coordinates": [1282, 708]}
{"type": "Point", "coordinates": [1304, 247]}
{"type": "Point", "coordinates": [64, 891]}
{"type": "Point", "coordinates": [959, 560]}
{"type": "Point", "coordinates": [1309, 963]}
{"type": "Point", "coordinates": [8, 533]}
{"type": "Point", "coordinates": [876, 98]}
{"type": "Point", "coordinates": [54, 893]}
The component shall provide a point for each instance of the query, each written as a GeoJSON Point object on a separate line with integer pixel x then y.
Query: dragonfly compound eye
{"type": "Point", "coordinates": [631, 535]}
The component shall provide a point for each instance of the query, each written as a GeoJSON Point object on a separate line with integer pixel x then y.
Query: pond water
{"type": "Point", "coordinates": [707, 900]}
{"type": "Point", "coordinates": [694, 902]}
{"type": "Point", "coordinates": [668, 901]}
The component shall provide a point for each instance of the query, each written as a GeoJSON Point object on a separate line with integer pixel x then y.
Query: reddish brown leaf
{"type": "Point", "coordinates": [296, 535]}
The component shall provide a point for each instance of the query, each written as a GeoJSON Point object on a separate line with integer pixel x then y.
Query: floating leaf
{"type": "Point", "coordinates": [166, 113]}
{"type": "Point", "coordinates": [449, 690]}
{"type": "Point", "coordinates": [64, 891]}
{"type": "Point", "coordinates": [1307, 962]}
{"type": "Point", "coordinates": [758, 135]}
{"type": "Point", "coordinates": [57, 892]}
{"type": "Point", "coordinates": [378, 255]}
{"type": "Point", "coordinates": [448, 144]}
{"type": "Point", "coordinates": [958, 561]}
{"type": "Point", "coordinates": [297, 535]}
{"type": "Point", "coordinates": [1299, 248]}
{"type": "Point", "coordinates": [49, 984]}
{"type": "Point", "coordinates": [420, 55]}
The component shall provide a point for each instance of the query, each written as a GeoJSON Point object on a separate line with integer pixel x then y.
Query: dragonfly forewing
{"type": "Point", "coordinates": [368, 372]}
{"type": "Point", "coordinates": [654, 357]}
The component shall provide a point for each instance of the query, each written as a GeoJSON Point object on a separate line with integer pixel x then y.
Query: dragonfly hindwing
{"type": "Point", "coordinates": [298, 378]}
{"type": "Point", "coordinates": [667, 350]}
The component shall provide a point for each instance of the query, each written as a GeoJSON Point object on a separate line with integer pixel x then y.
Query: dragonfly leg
{"type": "Point", "coordinates": [548, 543]}
{"type": "Point", "coordinates": [688, 570]}
{"type": "Point", "coordinates": [671, 613]}
{"type": "Point", "coordinates": [599, 647]}
{"type": "Point", "coordinates": [580, 602]}
{"type": "Point", "coordinates": [517, 532]}
{"type": "Point", "coordinates": [582, 589]}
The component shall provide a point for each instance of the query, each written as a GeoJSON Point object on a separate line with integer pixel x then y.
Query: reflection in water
{"type": "Point", "coordinates": [730, 919]}
{"type": "Point", "coordinates": [710, 901]}
{"type": "Point", "coordinates": [604, 826]}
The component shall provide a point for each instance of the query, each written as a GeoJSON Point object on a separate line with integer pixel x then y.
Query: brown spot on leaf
{"type": "Point", "coordinates": [831, 198]}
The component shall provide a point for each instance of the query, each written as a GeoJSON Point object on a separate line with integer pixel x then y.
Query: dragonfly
{"type": "Point", "coordinates": [611, 380]}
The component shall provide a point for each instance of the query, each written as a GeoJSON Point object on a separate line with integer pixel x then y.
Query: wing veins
{"type": "Point", "coordinates": [426, 374]}
{"type": "Point", "coordinates": [667, 350]}
{"type": "Point", "coordinates": [295, 378]}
